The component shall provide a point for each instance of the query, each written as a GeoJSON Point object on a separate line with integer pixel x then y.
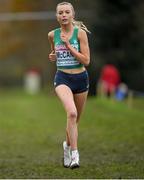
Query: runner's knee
{"type": "Point", "coordinates": [72, 116]}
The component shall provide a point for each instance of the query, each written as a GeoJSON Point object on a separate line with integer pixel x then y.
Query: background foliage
{"type": "Point", "coordinates": [117, 37]}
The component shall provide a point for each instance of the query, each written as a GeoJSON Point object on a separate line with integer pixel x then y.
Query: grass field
{"type": "Point", "coordinates": [111, 138]}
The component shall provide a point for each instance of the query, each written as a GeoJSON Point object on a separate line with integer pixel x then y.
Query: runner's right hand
{"type": "Point", "coordinates": [52, 56]}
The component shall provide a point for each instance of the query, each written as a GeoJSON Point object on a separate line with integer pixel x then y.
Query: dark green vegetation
{"type": "Point", "coordinates": [111, 139]}
{"type": "Point", "coordinates": [117, 39]}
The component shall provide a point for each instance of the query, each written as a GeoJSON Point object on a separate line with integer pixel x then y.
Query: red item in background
{"type": "Point", "coordinates": [110, 78]}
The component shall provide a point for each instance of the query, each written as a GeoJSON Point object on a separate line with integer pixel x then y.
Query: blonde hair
{"type": "Point", "coordinates": [79, 24]}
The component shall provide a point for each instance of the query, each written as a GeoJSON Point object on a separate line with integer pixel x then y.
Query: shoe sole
{"type": "Point", "coordinates": [74, 166]}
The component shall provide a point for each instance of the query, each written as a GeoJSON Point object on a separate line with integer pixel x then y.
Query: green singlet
{"type": "Point", "coordinates": [65, 60]}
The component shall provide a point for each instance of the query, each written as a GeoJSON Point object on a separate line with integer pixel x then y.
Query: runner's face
{"type": "Point", "coordinates": [64, 14]}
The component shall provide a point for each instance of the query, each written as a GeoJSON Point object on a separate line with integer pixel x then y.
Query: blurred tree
{"type": "Point", "coordinates": [119, 38]}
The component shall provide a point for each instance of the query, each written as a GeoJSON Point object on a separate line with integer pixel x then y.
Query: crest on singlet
{"type": "Point", "coordinates": [65, 60]}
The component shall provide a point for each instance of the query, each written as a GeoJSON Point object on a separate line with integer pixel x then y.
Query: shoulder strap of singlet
{"type": "Point", "coordinates": [75, 34]}
{"type": "Point", "coordinates": [56, 34]}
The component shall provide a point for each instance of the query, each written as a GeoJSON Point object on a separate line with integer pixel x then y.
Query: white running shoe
{"type": "Point", "coordinates": [67, 155]}
{"type": "Point", "coordinates": [75, 160]}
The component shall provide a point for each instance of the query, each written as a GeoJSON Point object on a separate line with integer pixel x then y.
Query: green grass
{"type": "Point", "coordinates": [32, 128]}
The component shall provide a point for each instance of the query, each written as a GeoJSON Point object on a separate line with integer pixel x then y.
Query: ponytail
{"type": "Point", "coordinates": [81, 25]}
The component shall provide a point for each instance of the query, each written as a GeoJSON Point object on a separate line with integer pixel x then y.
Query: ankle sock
{"type": "Point", "coordinates": [75, 152]}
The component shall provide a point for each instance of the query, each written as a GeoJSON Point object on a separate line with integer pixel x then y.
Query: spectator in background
{"type": "Point", "coordinates": [121, 92]}
{"type": "Point", "coordinates": [109, 80]}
